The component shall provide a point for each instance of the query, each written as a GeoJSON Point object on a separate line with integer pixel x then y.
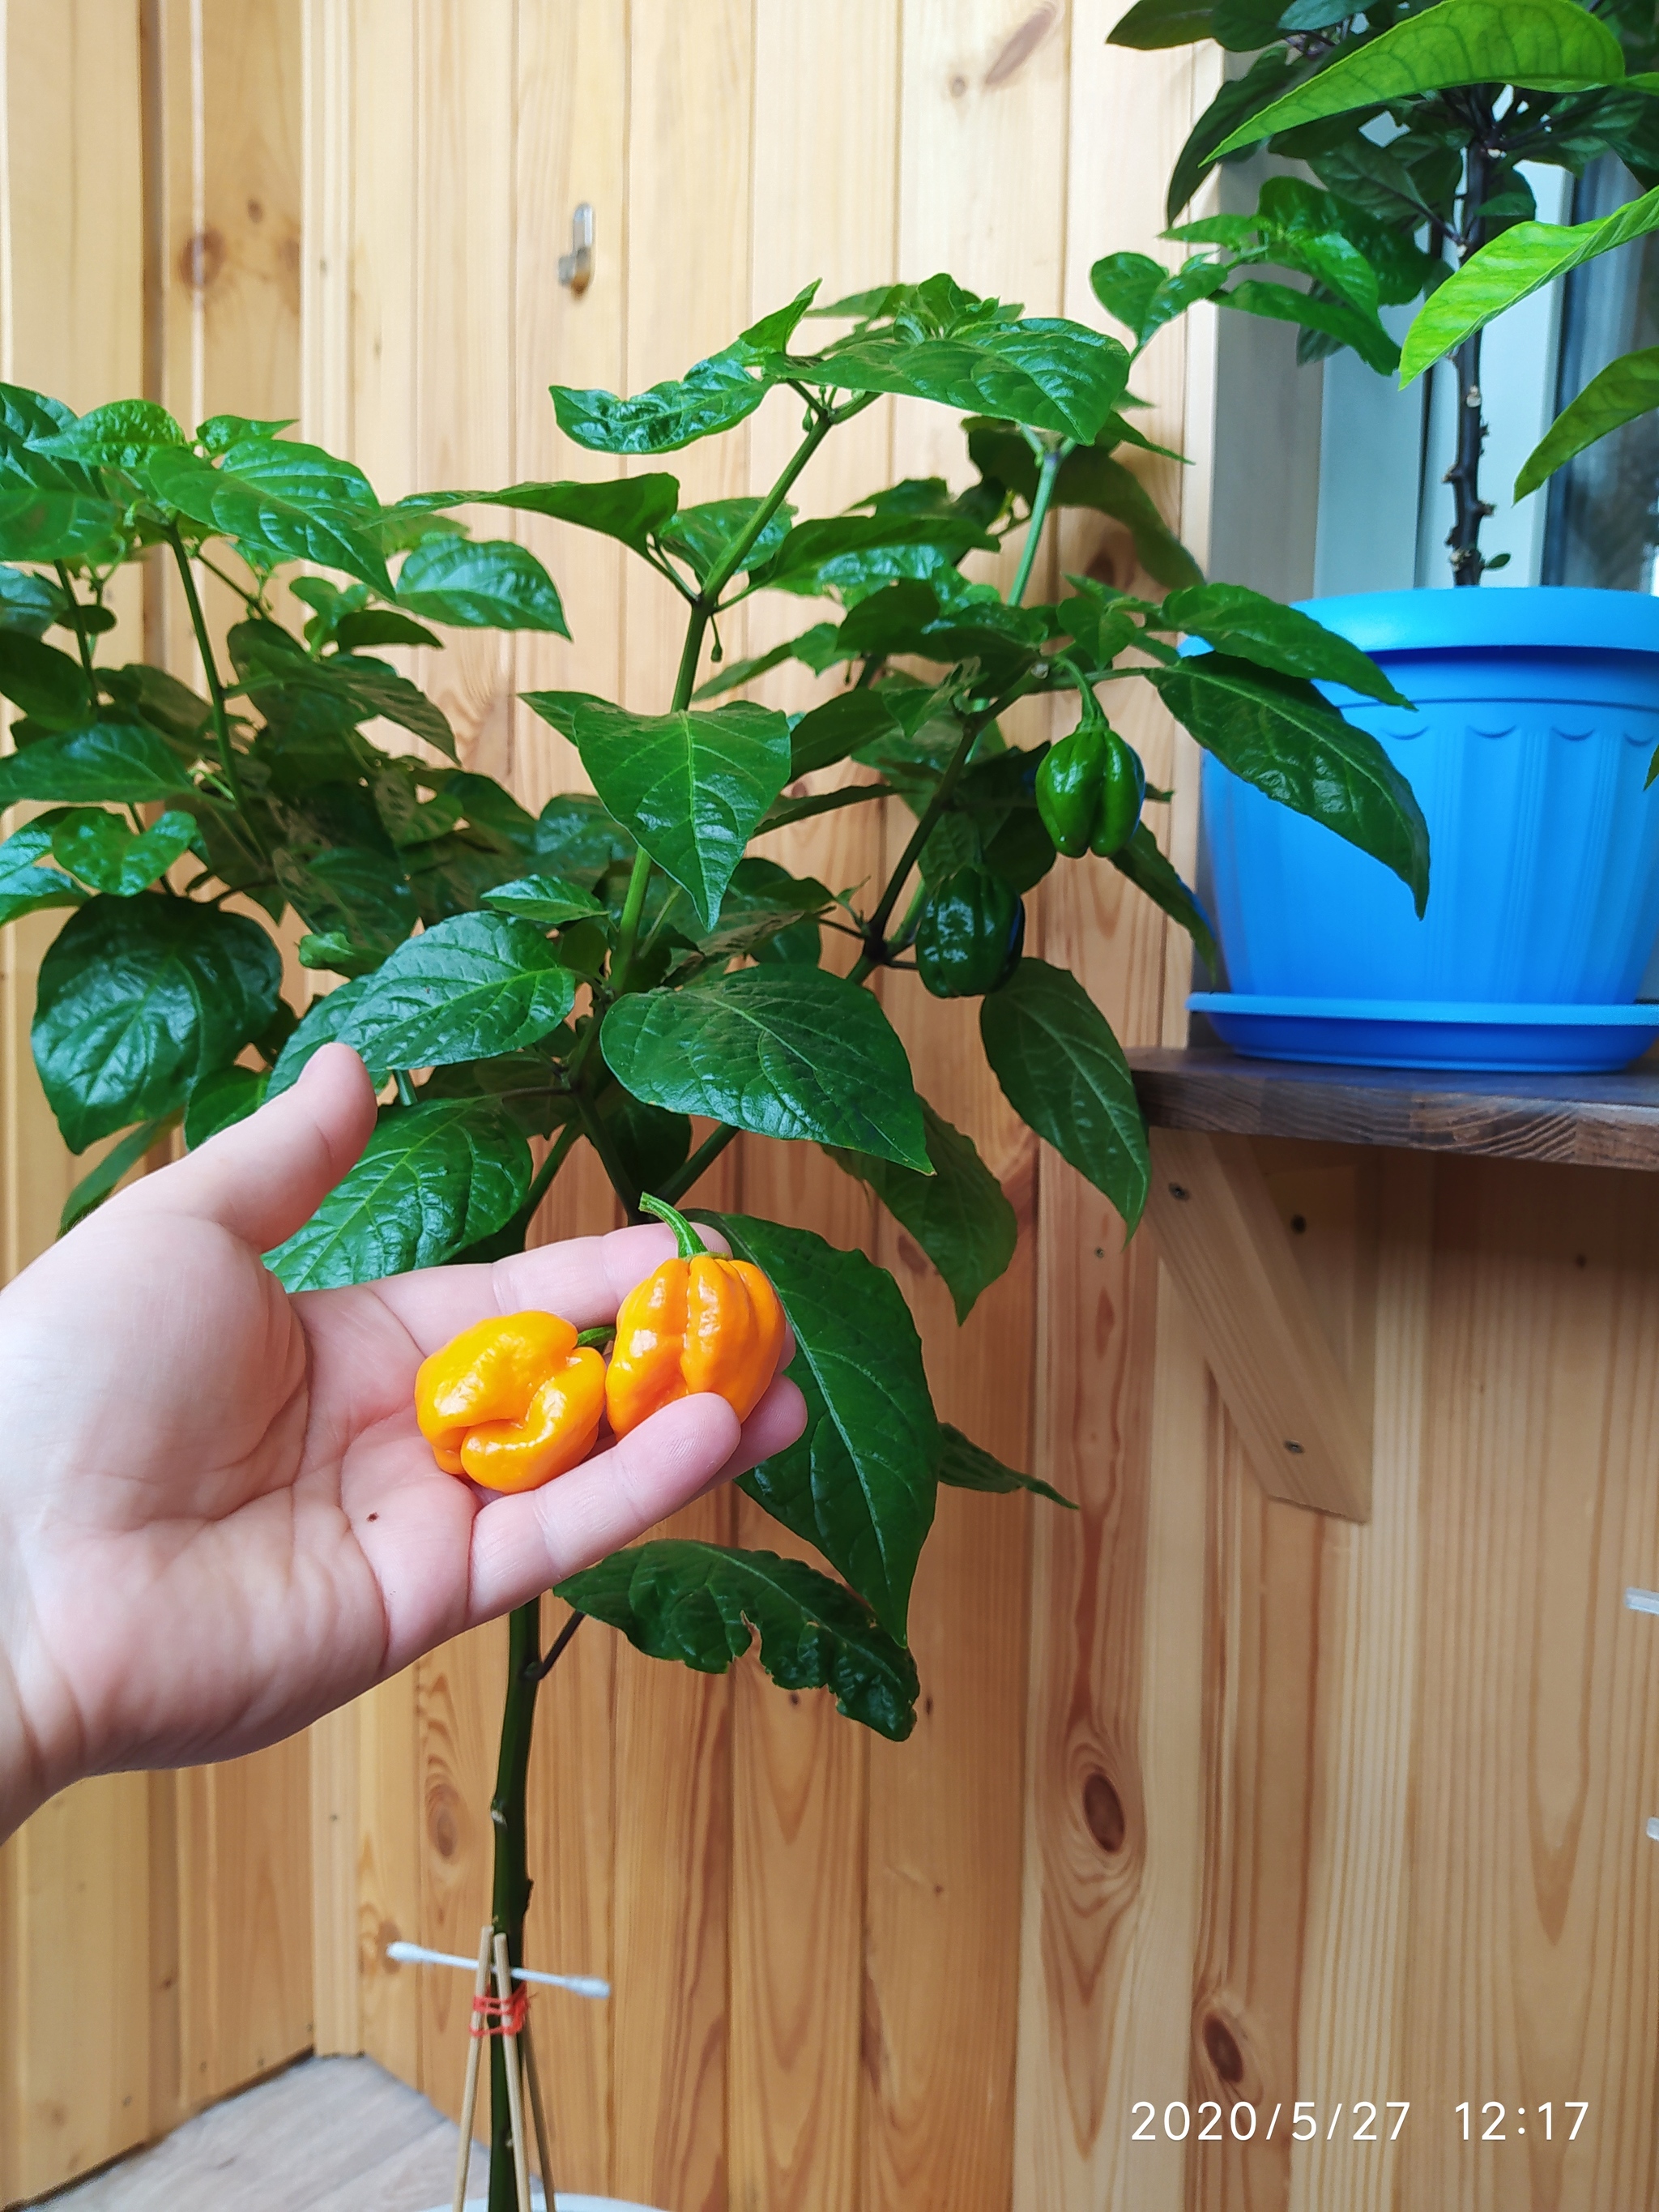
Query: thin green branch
{"type": "Point", "coordinates": [210, 667]}
{"type": "Point", "coordinates": [1045, 491]}
{"type": "Point", "coordinates": [703, 1158]}
{"type": "Point", "coordinates": [558, 1152]}
{"type": "Point", "coordinates": [80, 639]}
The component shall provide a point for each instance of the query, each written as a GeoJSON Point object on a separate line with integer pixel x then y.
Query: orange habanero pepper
{"type": "Point", "coordinates": [511, 1402]}
{"type": "Point", "coordinates": [699, 1323]}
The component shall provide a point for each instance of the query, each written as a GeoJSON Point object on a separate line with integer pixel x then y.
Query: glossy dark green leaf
{"type": "Point", "coordinates": [371, 626]}
{"type": "Point", "coordinates": [1242, 27]}
{"type": "Point", "coordinates": [1143, 296]}
{"type": "Point", "coordinates": [859, 1483]}
{"type": "Point", "coordinates": [57, 526]}
{"type": "Point", "coordinates": [105, 850]}
{"type": "Point", "coordinates": [50, 687]}
{"type": "Point", "coordinates": [715, 395]}
{"type": "Point", "coordinates": [841, 725]}
{"type": "Point", "coordinates": [1146, 868]}
{"type": "Point", "coordinates": [1625, 388]}
{"type": "Point", "coordinates": [353, 891]}
{"type": "Point", "coordinates": [652, 1144]}
{"type": "Point", "coordinates": [26, 602]}
{"type": "Point", "coordinates": [96, 1185]}
{"type": "Point", "coordinates": [548, 901]}
{"type": "Point", "coordinates": [480, 584]}
{"type": "Point", "coordinates": [785, 1053]}
{"type": "Point", "coordinates": [1252, 626]}
{"type": "Point", "coordinates": [221, 432]}
{"type": "Point", "coordinates": [521, 1083]}
{"type": "Point", "coordinates": [958, 1214]}
{"type": "Point", "coordinates": [700, 535]}
{"type": "Point", "coordinates": [629, 508]}
{"type": "Point", "coordinates": [1279, 734]}
{"type": "Point", "coordinates": [476, 985]}
{"type": "Point", "coordinates": [762, 889]}
{"type": "Point", "coordinates": [117, 435]}
{"type": "Point", "coordinates": [773, 332]}
{"type": "Point", "coordinates": [221, 1096]}
{"type": "Point", "coordinates": [26, 885]}
{"type": "Point", "coordinates": [432, 1179]}
{"type": "Point", "coordinates": [816, 648]}
{"type": "Point", "coordinates": [123, 761]}
{"type": "Point", "coordinates": [364, 689]}
{"type": "Point", "coordinates": [1064, 1073]}
{"type": "Point", "coordinates": [702, 1605]}
{"type": "Point", "coordinates": [1270, 75]}
{"type": "Point", "coordinates": [327, 1017]}
{"type": "Point", "coordinates": [275, 500]}
{"type": "Point", "coordinates": [1152, 24]}
{"type": "Point", "coordinates": [575, 837]}
{"type": "Point", "coordinates": [818, 557]}
{"type": "Point", "coordinates": [1055, 375]}
{"type": "Point", "coordinates": [137, 998]}
{"type": "Point", "coordinates": [1541, 44]}
{"type": "Point", "coordinates": [692, 786]}
{"type": "Point", "coordinates": [1349, 325]}
{"type": "Point", "coordinates": [964, 1466]}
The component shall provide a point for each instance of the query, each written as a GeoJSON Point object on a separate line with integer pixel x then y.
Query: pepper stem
{"type": "Point", "coordinates": [595, 1337]}
{"type": "Point", "coordinates": [690, 1244]}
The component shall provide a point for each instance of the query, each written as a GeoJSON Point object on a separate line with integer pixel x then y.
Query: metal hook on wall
{"type": "Point", "coordinates": [576, 267]}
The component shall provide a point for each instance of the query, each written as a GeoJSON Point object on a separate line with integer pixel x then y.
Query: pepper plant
{"type": "Point", "coordinates": [599, 973]}
{"type": "Point", "coordinates": [1414, 117]}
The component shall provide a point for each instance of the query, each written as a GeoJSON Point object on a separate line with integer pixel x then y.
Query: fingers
{"type": "Point", "coordinates": [521, 1546]}
{"type": "Point", "coordinates": [584, 1280]}
{"type": "Point", "coordinates": [262, 1177]}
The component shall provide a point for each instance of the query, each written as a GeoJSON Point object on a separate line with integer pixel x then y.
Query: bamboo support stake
{"type": "Point", "coordinates": [469, 2095]}
{"type": "Point", "coordinates": [537, 2110]}
{"type": "Point", "coordinates": [514, 2088]}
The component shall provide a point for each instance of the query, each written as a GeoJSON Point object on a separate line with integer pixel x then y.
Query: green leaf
{"type": "Point", "coordinates": [123, 761]}
{"type": "Point", "coordinates": [1054, 374]}
{"type": "Point", "coordinates": [629, 508]}
{"type": "Point", "coordinates": [698, 1603]}
{"type": "Point", "coordinates": [1064, 1073]}
{"type": "Point", "coordinates": [964, 1466]}
{"type": "Point", "coordinates": [1145, 866]}
{"type": "Point", "coordinates": [117, 436]}
{"type": "Point", "coordinates": [50, 688]}
{"type": "Point", "coordinates": [432, 1179]}
{"type": "Point", "coordinates": [1152, 24]}
{"type": "Point", "coordinates": [1092, 478]}
{"type": "Point", "coordinates": [653, 1145]}
{"type": "Point", "coordinates": [785, 1052]}
{"type": "Point", "coordinates": [1313, 311]}
{"type": "Point", "coordinates": [1252, 626]}
{"type": "Point", "coordinates": [480, 584]}
{"type": "Point", "coordinates": [96, 1185]}
{"type": "Point", "coordinates": [57, 526]}
{"type": "Point", "coordinates": [958, 1214]}
{"type": "Point", "coordinates": [773, 332]}
{"type": "Point", "coordinates": [275, 499]}
{"type": "Point", "coordinates": [577, 838]}
{"type": "Point", "coordinates": [815, 648]}
{"type": "Point", "coordinates": [1242, 27]}
{"type": "Point", "coordinates": [25, 886]}
{"type": "Point", "coordinates": [1545, 45]}
{"type": "Point", "coordinates": [363, 687]}
{"type": "Point", "coordinates": [818, 557]}
{"type": "Point", "coordinates": [1278, 733]}
{"type": "Point", "coordinates": [351, 891]}
{"type": "Point", "coordinates": [692, 786]}
{"type": "Point", "coordinates": [1270, 75]}
{"type": "Point", "coordinates": [325, 1019]}
{"type": "Point", "coordinates": [468, 988]}
{"type": "Point", "coordinates": [841, 725]}
{"type": "Point", "coordinates": [28, 603]}
{"type": "Point", "coordinates": [138, 997]}
{"type": "Point", "coordinates": [699, 536]}
{"type": "Point", "coordinates": [371, 626]}
{"type": "Point", "coordinates": [221, 1096]}
{"type": "Point", "coordinates": [715, 395]}
{"type": "Point", "coordinates": [1143, 296]}
{"type": "Point", "coordinates": [548, 901]}
{"type": "Point", "coordinates": [1625, 388]}
{"type": "Point", "coordinates": [859, 1482]}
{"type": "Point", "coordinates": [101, 849]}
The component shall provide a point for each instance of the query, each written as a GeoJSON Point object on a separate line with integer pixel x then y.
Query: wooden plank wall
{"type": "Point", "coordinates": [1210, 1798]}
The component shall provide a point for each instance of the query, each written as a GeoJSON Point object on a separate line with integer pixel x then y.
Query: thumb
{"type": "Point", "coordinates": [262, 1177]}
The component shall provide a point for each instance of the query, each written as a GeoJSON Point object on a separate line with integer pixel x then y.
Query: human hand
{"type": "Point", "coordinates": [217, 1517]}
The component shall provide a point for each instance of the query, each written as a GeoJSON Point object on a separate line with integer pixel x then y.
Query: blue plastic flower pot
{"type": "Point", "coordinates": [1537, 713]}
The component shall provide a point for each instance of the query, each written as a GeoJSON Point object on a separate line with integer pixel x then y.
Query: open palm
{"type": "Point", "coordinates": [217, 1516]}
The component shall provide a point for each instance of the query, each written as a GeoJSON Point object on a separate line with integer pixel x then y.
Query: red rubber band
{"type": "Point", "coordinates": [494, 2015]}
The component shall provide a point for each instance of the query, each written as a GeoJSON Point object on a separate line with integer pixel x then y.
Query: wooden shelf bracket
{"type": "Point", "coordinates": [1306, 1430]}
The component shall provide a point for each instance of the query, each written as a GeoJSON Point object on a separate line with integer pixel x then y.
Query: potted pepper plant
{"type": "Point", "coordinates": [598, 974]}
{"type": "Point", "coordinates": [1533, 712]}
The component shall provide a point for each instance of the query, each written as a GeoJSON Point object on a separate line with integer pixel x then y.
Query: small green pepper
{"type": "Point", "coordinates": [1122, 791]}
{"type": "Point", "coordinates": [1068, 788]}
{"type": "Point", "coordinates": [969, 933]}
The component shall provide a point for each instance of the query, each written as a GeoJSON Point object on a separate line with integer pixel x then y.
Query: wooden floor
{"type": "Point", "coordinates": [330, 2135]}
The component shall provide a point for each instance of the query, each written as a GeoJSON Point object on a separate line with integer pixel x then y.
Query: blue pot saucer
{"type": "Point", "coordinates": [1429, 1033]}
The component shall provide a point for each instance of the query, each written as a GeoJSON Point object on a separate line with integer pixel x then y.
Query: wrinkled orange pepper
{"type": "Point", "coordinates": [511, 1402]}
{"type": "Point", "coordinates": [699, 1323]}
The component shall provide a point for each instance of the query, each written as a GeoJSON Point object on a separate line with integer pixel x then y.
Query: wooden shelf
{"type": "Point", "coordinates": [1578, 1120]}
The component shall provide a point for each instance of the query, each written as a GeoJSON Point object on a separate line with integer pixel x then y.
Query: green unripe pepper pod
{"type": "Point", "coordinates": [968, 934]}
{"type": "Point", "coordinates": [1068, 788]}
{"type": "Point", "coordinates": [1122, 791]}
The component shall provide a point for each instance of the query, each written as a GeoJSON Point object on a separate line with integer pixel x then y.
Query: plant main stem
{"type": "Point", "coordinates": [210, 669]}
{"type": "Point", "coordinates": [1469, 509]}
{"type": "Point", "coordinates": [1044, 493]}
{"type": "Point", "coordinates": [511, 1896]}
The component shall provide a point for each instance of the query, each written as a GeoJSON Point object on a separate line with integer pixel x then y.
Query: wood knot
{"type": "Point", "coordinates": [443, 1822]}
{"type": "Point", "coordinates": [1102, 1812]}
{"type": "Point", "coordinates": [1221, 2046]}
{"type": "Point", "coordinates": [1019, 46]}
{"type": "Point", "coordinates": [202, 258]}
